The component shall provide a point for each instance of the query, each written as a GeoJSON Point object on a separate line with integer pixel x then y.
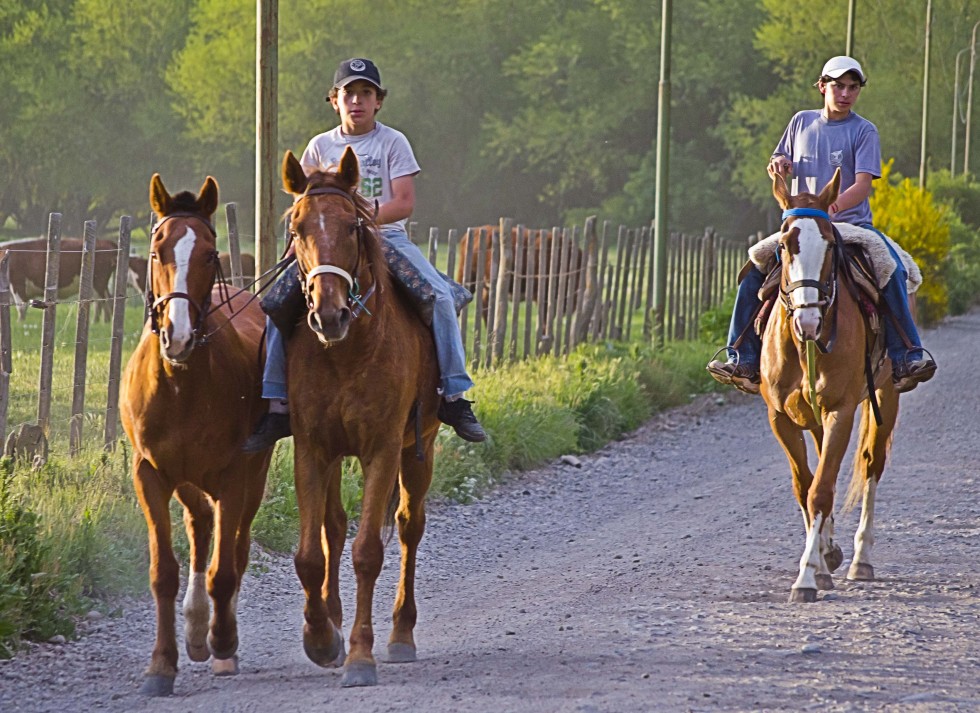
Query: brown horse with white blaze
{"type": "Point", "coordinates": [362, 383]}
{"type": "Point", "coordinates": [818, 303]}
{"type": "Point", "coordinates": [190, 396]}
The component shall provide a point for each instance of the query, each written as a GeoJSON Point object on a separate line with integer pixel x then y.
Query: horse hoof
{"type": "Point", "coordinates": [803, 595]}
{"type": "Point", "coordinates": [834, 558]}
{"type": "Point", "coordinates": [221, 653]}
{"type": "Point", "coordinates": [197, 652]}
{"type": "Point", "coordinates": [401, 653]}
{"type": "Point", "coordinates": [157, 686]}
{"type": "Point", "coordinates": [861, 572]}
{"type": "Point", "coordinates": [324, 655]}
{"type": "Point", "coordinates": [359, 674]}
{"type": "Point", "coordinates": [225, 667]}
{"type": "Point", "coordinates": [824, 582]}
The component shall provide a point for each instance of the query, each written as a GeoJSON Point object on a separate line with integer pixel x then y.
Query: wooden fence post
{"type": "Point", "coordinates": [234, 246]}
{"type": "Point", "coordinates": [530, 286]}
{"type": "Point", "coordinates": [109, 430]}
{"type": "Point", "coordinates": [558, 324]}
{"type": "Point", "coordinates": [588, 282]}
{"type": "Point", "coordinates": [6, 362]}
{"type": "Point", "coordinates": [520, 251]}
{"type": "Point", "coordinates": [544, 259]}
{"type": "Point", "coordinates": [81, 340]}
{"type": "Point", "coordinates": [477, 242]}
{"type": "Point", "coordinates": [433, 244]}
{"type": "Point", "coordinates": [48, 323]}
{"type": "Point", "coordinates": [599, 320]}
{"type": "Point", "coordinates": [572, 283]}
{"type": "Point", "coordinates": [505, 264]}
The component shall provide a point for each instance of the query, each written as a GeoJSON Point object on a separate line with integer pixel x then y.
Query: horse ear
{"type": "Point", "coordinates": [293, 176]}
{"type": "Point", "coordinates": [830, 192]}
{"type": "Point", "coordinates": [780, 191]}
{"type": "Point", "coordinates": [207, 198]}
{"type": "Point", "coordinates": [349, 170]}
{"type": "Point", "coordinates": [159, 197]}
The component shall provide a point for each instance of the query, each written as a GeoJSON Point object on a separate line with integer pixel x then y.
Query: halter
{"type": "Point", "coordinates": [156, 304]}
{"type": "Point", "coordinates": [827, 290]}
{"type": "Point", "coordinates": [355, 300]}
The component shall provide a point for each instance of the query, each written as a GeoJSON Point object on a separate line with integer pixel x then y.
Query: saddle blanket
{"type": "Point", "coordinates": [763, 252]}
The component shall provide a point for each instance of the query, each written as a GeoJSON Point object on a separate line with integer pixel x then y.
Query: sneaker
{"type": "Point", "coordinates": [271, 428]}
{"type": "Point", "coordinates": [459, 415]}
{"type": "Point", "coordinates": [906, 375]}
{"type": "Point", "coordinates": [744, 377]}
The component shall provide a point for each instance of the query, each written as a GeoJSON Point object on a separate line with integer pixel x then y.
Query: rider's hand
{"type": "Point", "coordinates": [781, 165]}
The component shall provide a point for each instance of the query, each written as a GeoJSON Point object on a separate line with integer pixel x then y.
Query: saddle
{"type": "Point", "coordinates": [285, 303]}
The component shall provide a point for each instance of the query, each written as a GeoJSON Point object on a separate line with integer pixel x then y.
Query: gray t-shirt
{"type": "Point", "coordinates": [818, 146]}
{"type": "Point", "coordinates": [384, 154]}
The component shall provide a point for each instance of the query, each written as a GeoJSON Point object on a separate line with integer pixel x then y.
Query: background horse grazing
{"type": "Point", "coordinates": [817, 304]}
{"type": "Point", "coordinates": [187, 404]}
{"type": "Point", "coordinates": [28, 261]}
{"type": "Point", "coordinates": [532, 242]}
{"type": "Point", "coordinates": [362, 382]}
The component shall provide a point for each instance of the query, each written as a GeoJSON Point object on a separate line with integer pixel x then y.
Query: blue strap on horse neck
{"type": "Point", "coordinates": [805, 213]}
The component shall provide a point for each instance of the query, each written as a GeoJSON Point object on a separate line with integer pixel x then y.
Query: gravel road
{"type": "Point", "coordinates": [654, 577]}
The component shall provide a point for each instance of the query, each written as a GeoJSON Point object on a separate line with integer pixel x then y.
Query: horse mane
{"type": "Point", "coordinates": [184, 202]}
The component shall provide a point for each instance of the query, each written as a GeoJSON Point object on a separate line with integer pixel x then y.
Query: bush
{"type": "Point", "coordinates": [909, 215]}
{"type": "Point", "coordinates": [962, 195]}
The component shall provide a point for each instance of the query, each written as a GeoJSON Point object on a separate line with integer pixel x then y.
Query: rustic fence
{"type": "Point", "coordinates": [540, 293]}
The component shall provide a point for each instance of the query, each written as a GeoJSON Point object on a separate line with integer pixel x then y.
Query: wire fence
{"type": "Point", "coordinates": [539, 292]}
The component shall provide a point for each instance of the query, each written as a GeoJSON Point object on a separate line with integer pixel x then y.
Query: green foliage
{"type": "Point", "coordinates": [963, 268]}
{"type": "Point", "coordinates": [911, 217]}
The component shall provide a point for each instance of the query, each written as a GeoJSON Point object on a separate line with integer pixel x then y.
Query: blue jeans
{"type": "Point", "coordinates": [894, 293]}
{"type": "Point", "coordinates": [445, 329]}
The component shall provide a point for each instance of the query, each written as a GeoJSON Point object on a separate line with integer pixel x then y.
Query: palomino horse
{"type": "Point", "coordinates": [818, 304]}
{"type": "Point", "coordinates": [190, 397]}
{"type": "Point", "coordinates": [362, 382]}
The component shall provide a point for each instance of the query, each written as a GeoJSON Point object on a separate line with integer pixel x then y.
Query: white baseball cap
{"type": "Point", "coordinates": [840, 65]}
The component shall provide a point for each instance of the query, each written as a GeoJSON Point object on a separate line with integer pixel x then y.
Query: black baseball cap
{"type": "Point", "coordinates": [350, 70]}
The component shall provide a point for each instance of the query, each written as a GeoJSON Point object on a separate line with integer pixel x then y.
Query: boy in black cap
{"type": "Point", "coordinates": [388, 168]}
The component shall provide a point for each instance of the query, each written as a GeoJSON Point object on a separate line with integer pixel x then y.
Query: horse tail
{"type": "Point", "coordinates": [862, 456]}
{"type": "Point", "coordinates": [388, 525]}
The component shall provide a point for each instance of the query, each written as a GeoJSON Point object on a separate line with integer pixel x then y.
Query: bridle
{"type": "Point", "coordinates": [156, 305]}
{"type": "Point", "coordinates": [355, 300]}
{"type": "Point", "coordinates": [826, 290]}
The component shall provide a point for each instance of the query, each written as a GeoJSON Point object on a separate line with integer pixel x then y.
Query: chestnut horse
{"type": "Point", "coordinates": [190, 397]}
{"type": "Point", "coordinates": [362, 383]}
{"type": "Point", "coordinates": [532, 242]}
{"type": "Point", "coordinates": [818, 303]}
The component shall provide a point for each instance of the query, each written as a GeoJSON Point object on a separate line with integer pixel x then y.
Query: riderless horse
{"type": "Point", "coordinates": [190, 397]}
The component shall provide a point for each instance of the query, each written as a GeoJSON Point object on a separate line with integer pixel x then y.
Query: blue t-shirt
{"type": "Point", "coordinates": [818, 146]}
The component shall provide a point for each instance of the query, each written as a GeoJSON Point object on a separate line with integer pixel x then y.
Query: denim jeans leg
{"type": "Point", "coordinates": [274, 371]}
{"type": "Point", "coordinates": [897, 298]}
{"type": "Point", "coordinates": [449, 342]}
{"type": "Point", "coordinates": [746, 304]}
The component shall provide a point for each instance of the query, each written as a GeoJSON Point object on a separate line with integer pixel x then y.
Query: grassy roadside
{"type": "Point", "coordinates": [72, 535]}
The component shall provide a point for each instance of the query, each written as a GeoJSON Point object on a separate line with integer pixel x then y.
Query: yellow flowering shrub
{"type": "Point", "coordinates": [911, 217]}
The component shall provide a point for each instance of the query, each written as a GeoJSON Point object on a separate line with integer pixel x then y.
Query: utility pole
{"type": "Point", "coordinates": [923, 157]}
{"type": "Point", "coordinates": [660, 199]}
{"type": "Point", "coordinates": [266, 131]}
{"type": "Point", "coordinates": [969, 101]}
{"type": "Point", "coordinates": [957, 109]}
{"type": "Point", "coordinates": [849, 46]}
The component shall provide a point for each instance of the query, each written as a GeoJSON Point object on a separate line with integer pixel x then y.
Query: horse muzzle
{"type": "Point", "coordinates": [176, 349]}
{"type": "Point", "coordinates": [330, 325]}
{"type": "Point", "coordinates": [807, 323]}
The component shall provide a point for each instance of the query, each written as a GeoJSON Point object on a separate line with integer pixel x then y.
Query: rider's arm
{"type": "Point", "coordinates": [402, 201]}
{"type": "Point", "coordinates": [853, 195]}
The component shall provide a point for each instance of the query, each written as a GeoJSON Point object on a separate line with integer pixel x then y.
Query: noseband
{"type": "Point", "coordinates": [156, 304]}
{"type": "Point", "coordinates": [355, 300]}
{"type": "Point", "coordinates": [827, 290]}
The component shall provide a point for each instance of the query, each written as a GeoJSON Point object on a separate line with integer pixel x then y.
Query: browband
{"type": "Point", "coordinates": [805, 213]}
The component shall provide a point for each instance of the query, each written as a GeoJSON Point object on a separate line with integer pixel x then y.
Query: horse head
{"type": "Point", "coordinates": [336, 247]}
{"type": "Point", "coordinates": [182, 267]}
{"type": "Point", "coordinates": [807, 252]}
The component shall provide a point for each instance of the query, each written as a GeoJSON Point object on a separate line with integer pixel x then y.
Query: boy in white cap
{"type": "Point", "coordinates": [388, 168]}
{"type": "Point", "coordinates": [814, 145]}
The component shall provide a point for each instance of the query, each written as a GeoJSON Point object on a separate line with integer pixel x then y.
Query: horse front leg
{"type": "Point", "coordinates": [154, 497]}
{"type": "Point", "coordinates": [224, 576]}
{"type": "Point", "coordinates": [869, 464]}
{"type": "Point", "coordinates": [367, 554]}
{"type": "Point", "coordinates": [199, 525]}
{"type": "Point", "coordinates": [814, 573]}
{"type": "Point", "coordinates": [335, 532]}
{"type": "Point", "coordinates": [322, 641]}
{"type": "Point", "coordinates": [790, 437]}
{"type": "Point", "coordinates": [416, 477]}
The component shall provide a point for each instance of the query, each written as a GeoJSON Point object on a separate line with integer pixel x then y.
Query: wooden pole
{"type": "Point", "coordinates": [81, 340]}
{"type": "Point", "coordinates": [663, 161]}
{"type": "Point", "coordinates": [6, 362]}
{"type": "Point", "coordinates": [48, 324]}
{"type": "Point", "coordinates": [109, 430]}
{"type": "Point", "coordinates": [235, 246]}
{"type": "Point", "coordinates": [266, 131]}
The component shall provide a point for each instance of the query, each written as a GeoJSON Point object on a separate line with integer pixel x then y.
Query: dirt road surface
{"type": "Point", "coordinates": [654, 577]}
